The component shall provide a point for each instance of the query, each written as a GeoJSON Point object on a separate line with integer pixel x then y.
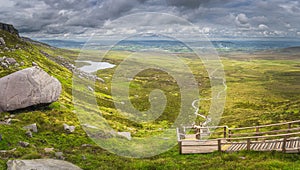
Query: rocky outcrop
{"type": "Point", "coordinates": [28, 87]}
{"type": "Point", "coordinates": [7, 62]}
{"type": "Point", "coordinates": [2, 42]}
{"type": "Point", "coordinates": [9, 28]}
{"type": "Point", "coordinates": [40, 164]}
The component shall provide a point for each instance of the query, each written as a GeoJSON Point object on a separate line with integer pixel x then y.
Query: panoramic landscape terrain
{"type": "Point", "coordinates": [64, 98]}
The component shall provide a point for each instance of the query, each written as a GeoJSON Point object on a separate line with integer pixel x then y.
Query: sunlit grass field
{"type": "Point", "coordinates": [262, 89]}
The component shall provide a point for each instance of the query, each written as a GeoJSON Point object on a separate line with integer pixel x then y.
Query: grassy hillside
{"type": "Point", "coordinates": [260, 91]}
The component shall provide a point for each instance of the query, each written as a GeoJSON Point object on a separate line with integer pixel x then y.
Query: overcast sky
{"type": "Point", "coordinates": [216, 18]}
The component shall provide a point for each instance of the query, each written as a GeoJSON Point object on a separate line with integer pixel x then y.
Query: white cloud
{"type": "Point", "coordinates": [263, 27]}
{"type": "Point", "coordinates": [242, 21]}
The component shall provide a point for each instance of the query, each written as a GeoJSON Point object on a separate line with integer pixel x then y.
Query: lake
{"type": "Point", "coordinates": [94, 66]}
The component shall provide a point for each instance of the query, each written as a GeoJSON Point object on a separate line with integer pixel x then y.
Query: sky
{"type": "Point", "coordinates": [75, 19]}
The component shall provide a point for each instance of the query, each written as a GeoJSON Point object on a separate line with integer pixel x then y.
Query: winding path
{"type": "Point", "coordinates": [207, 119]}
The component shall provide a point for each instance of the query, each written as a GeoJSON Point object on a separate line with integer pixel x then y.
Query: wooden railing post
{"type": "Point", "coordinates": [284, 144]}
{"type": "Point", "coordinates": [219, 145]}
{"type": "Point", "coordinates": [229, 134]}
{"type": "Point", "coordinates": [289, 126]}
{"type": "Point", "coordinates": [257, 130]}
{"type": "Point", "coordinates": [180, 147]}
{"type": "Point", "coordinates": [225, 131]}
{"type": "Point", "coordinates": [248, 144]}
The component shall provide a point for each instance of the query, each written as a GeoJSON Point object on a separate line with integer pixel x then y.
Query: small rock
{"type": "Point", "coordinates": [24, 144]}
{"type": "Point", "coordinates": [29, 134]}
{"type": "Point", "coordinates": [4, 65]}
{"type": "Point", "coordinates": [59, 155]}
{"type": "Point", "coordinates": [40, 164]}
{"type": "Point", "coordinates": [6, 117]}
{"type": "Point", "coordinates": [34, 64]}
{"type": "Point", "coordinates": [100, 79]}
{"type": "Point", "coordinates": [127, 135]}
{"type": "Point", "coordinates": [17, 65]}
{"type": "Point", "coordinates": [10, 61]}
{"type": "Point", "coordinates": [31, 127]}
{"type": "Point", "coordinates": [47, 150]}
{"type": "Point", "coordinates": [90, 88]}
{"type": "Point", "coordinates": [22, 63]}
{"type": "Point", "coordinates": [242, 157]}
{"type": "Point", "coordinates": [69, 128]}
{"type": "Point", "coordinates": [83, 157]}
{"type": "Point", "coordinates": [8, 121]}
{"type": "Point", "coordinates": [2, 42]}
{"type": "Point", "coordinates": [86, 145]}
{"type": "Point", "coordinates": [12, 116]}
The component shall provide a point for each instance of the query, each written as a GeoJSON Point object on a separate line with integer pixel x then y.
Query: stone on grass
{"type": "Point", "coordinates": [2, 42]}
{"type": "Point", "coordinates": [127, 135]}
{"type": "Point", "coordinates": [69, 128]}
{"type": "Point", "coordinates": [31, 127]}
{"type": "Point", "coordinates": [34, 64]}
{"type": "Point", "coordinates": [40, 164]}
{"type": "Point", "coordinates": [59, 155]}
{"type": "Point", "coordinates": [10, 61]}
{"type": "Point", "coordinates": [28, 87]}
{"type": "Point", "coordinates": [29, 134]}
{"type": "Point", "coordinates": [47, 150]}
{"type": "Point", "coordinates": [24, 144]}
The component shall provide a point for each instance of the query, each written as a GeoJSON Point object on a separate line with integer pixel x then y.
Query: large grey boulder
{"type": "Point", "coordinates": [40, 164]}
{"type": "Point", "coordinates": [28, 87]}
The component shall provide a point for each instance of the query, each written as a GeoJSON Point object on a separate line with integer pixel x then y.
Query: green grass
{"type": "Point", "coordinates": [260, 91]}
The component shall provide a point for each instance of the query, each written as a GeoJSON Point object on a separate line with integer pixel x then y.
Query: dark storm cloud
{"type": "Point", "coordinates": [215, 17]}
{"type": "Point", "coordinates": [195, 3]}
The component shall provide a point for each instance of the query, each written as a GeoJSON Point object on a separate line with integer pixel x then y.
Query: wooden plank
{"type": "Point", "coordinates": [260, 146]}
{"type": "Point", "coordinates": [239, 148]}
{"type": "Point", "coordinates": [263, 146]}
{"type": "Point", "coordinates": [255, 146]}
{"type": "Point", "coordinates": [280, 145]}
{"type": "Point", "coordinates": [244, 145]}
{"type": "Point", "coordinates": [277, 144]}
{"type": "Point", "coordinates": [233, 147]}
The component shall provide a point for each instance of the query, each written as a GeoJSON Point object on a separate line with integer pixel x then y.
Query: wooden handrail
{"type": "Point", "coordinates": [263, 133]}
{"type": "Point", "coordinates": [261, 126]}
{"type": "Point", "coordinates": [269, 136]}
{"type": "Point", "coordinates": [229, 131]}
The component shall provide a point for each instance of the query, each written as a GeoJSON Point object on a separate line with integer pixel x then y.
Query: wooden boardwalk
{"type": "Point", "coordinates": [281, 139]}
{"type": "Point", "coordinates": [291, 146]}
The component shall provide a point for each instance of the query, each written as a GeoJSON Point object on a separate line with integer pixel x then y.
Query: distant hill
{"type": "Point", "coordinates": [291, 49]}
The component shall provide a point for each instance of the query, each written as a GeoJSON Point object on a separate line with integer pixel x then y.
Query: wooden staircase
{"type": "Point", "coordinates": [283, 137]}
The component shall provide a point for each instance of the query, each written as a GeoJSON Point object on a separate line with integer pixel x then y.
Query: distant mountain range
{"type": "Point", "coordinates": [240, 45]}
